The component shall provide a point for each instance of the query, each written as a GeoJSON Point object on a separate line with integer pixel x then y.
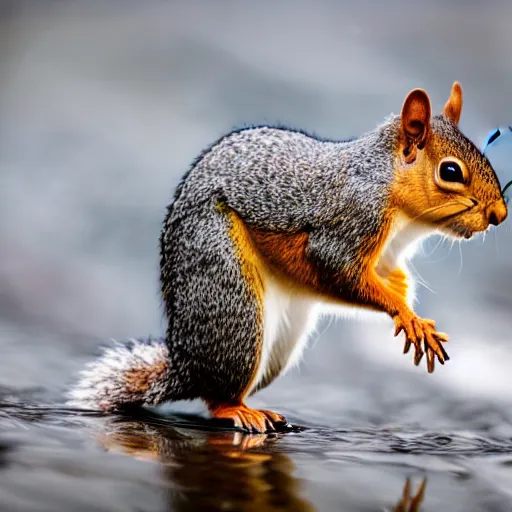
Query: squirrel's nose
{"type": "Point", "coordinates": [497, 213]}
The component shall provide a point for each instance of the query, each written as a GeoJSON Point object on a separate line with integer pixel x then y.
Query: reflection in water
{"type": "Point", "coordinates": [213, 470]}
{"type": "Point", "coordinates": [410, 503]}
{"type": "Point", "coordinates": [207, 467]}
{"type": "Point", "coordinates": [219, 470]}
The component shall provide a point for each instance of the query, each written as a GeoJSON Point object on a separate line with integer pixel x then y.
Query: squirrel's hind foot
{"type": "Point", "coordinates": [245, 418]}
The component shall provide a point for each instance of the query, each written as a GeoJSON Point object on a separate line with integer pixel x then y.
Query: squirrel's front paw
{"type": "Point", "coordinates": [421, 332]}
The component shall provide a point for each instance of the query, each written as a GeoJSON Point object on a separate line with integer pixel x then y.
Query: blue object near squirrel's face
{"type": "Point", "coordinates": [498, 149]}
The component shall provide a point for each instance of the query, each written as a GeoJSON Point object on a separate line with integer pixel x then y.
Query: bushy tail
{"type": "Point", "coordinates": [135, 372]}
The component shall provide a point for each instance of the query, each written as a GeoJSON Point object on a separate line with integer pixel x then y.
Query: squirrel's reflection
{"type": "Point", "coordinates": [213, 471]}
{"type": "Point", "coordinates": [410, 503]}
{"type": "Point", "coordinates": [219, 471]}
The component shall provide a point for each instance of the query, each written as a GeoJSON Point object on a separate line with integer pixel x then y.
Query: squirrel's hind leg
{"type": "Point", "coordinates": [216, 311]}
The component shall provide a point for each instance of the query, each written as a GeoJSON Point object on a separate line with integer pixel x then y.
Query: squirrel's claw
{"type": "Point", "coordinates": [274, 417]}
{"type": "Point", "coordinates": [418, 355]}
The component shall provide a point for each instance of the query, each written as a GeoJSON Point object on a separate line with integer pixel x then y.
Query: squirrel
{"type": "Point", "coordinates": [268, 226]}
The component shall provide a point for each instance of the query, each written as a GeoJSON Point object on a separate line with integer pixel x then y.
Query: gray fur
{"type": "Point", "coordinates": [213, 316]}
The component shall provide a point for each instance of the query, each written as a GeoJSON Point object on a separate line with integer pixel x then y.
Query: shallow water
{"type": "Point", "coordinates": [102, 107]}
{"type": "Point", "coordinates": [58, 459]}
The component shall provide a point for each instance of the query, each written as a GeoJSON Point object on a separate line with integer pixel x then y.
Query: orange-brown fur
{"type": "Point", "coordinates": [139, 380]}
{"type": "Point", "coordinates": [286, 252]}
{"type": "Point", "coordinates": [414, 189]}
{"type": "Point", "coordinates": [397, 281]}
{"type": "Point", "coordinates": [453, 106]}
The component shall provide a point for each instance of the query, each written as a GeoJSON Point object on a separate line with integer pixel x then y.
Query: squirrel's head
{"type": "Point", "coordinates": [441, 177]}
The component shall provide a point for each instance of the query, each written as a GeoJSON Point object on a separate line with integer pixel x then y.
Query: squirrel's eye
{"type": "Point", "coordinates": [451, 171]}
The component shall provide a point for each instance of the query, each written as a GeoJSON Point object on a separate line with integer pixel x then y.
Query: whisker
{"type": "Point", "coordinates": [451, 246]}
{"type": "Point", "coordinates": [460, 252]}
{"type": "Point", "coordinates": [420, 280]}
{"type": "Point", "coordinates": [445, 242]}
{"type": "Point", "coordinates": [441, 239]}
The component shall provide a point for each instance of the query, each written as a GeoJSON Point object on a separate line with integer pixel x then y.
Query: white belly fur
{"type": "Point", "coordinates": [403, 242]}
{"type": "Point", "coordinates": [289, 316]}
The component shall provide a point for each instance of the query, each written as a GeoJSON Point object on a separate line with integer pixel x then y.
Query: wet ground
{"type": "Point", "coordinates": [102, 107]}
{"type": "Point", "coordinates": [58, 459]}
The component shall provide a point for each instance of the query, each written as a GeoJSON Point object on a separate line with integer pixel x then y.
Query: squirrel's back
{"type": "Point", "coordinates": [285, 179]}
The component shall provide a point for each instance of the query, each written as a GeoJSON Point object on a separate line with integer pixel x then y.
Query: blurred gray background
{"type": "Point", "coordinates": [104, 104]}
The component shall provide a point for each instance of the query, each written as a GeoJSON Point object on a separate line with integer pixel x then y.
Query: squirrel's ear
{"type": "Point", "coordinates": [453, 106]}
{"type": "Point", "coordinates": [415, 124]}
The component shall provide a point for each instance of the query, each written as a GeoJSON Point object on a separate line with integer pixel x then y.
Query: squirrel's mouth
{"type": "Point", "coordinates": [454, 225]}
{"type": "Point", "coordinates": [462, 231]}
